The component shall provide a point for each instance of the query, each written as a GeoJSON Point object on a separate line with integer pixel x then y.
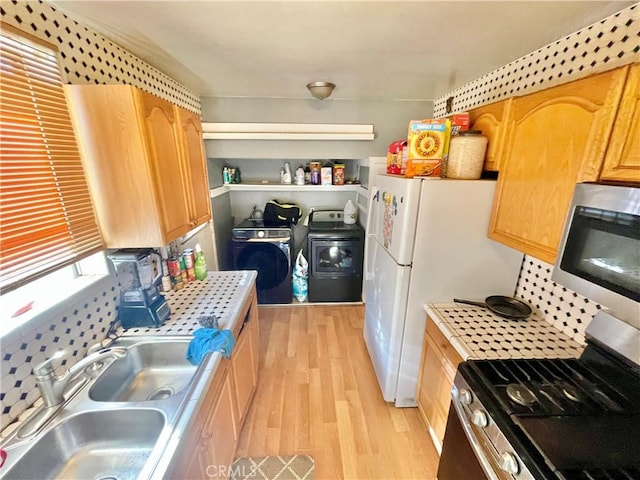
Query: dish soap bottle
{"type": "Point", "coordinates": [200, 265]}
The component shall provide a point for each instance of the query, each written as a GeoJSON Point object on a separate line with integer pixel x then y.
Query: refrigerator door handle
{"type": "Point", "coordinates": [373, 196]}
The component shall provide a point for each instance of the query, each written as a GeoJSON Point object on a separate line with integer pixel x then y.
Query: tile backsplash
{"type": "Point", "coordinates": [563, 308]}
{"type": "Point", "coordinates": [78, 326]}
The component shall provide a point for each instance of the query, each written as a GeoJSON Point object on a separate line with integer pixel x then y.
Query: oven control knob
{"type": "Point", "coordinates": [479, 418]}
{"type": "Point", "coordinates": [465, 397]}
{"type": "Point", "coordinates": [260, 233]}
{"type": "Point", "coordinates": [509, 463]}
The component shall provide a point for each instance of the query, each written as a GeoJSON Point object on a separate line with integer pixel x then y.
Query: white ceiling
{"type": "Point", "coordinates": [415, 50]}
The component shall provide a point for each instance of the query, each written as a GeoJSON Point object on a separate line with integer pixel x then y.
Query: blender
{"type": "Point", "coordinates": [141, 304]}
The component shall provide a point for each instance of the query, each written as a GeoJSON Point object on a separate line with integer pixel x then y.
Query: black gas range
{"type": "Point", "coordinates": [549, 418]}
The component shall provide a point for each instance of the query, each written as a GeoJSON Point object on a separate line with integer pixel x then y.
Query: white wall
{"type": "Point", "coordinates": [389, 118]}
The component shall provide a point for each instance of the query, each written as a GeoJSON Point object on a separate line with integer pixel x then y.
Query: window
{"type": "Point", "coordinates": [46, 216]}
{"type": "Point", "coordinates": [44, 294]}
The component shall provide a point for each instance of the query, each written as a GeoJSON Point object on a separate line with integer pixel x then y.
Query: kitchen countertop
{"type": "Point", "coordinates": [221, 294]}
{"type": "Point", "coordinates": [478, 333]}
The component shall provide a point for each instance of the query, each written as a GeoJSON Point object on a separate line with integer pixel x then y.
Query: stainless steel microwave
{"type": "Point", "coordinates": [599, 254]}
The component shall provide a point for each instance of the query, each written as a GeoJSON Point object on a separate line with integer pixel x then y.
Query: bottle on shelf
{"type": "Point", "coordinates": [300, 176]}
{"type": "Point", "coordinates": [286, 178]}
{"type": "Point", "coordinates": [307, 174]}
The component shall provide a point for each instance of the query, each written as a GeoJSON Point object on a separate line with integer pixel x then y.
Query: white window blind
{"type": "Point", "coordinates": [46, 216]}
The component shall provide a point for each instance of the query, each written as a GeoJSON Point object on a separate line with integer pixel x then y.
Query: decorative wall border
{"type": "Point", "coordinates": [609, 43]}
{"type": "Point", "coordinates": [89, 58]}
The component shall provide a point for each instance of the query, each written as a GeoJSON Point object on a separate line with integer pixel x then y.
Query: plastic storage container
{"type": "Point", "coordinates": [466, 155]}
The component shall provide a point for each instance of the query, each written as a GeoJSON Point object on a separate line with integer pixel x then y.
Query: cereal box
{"type": "Point", "coordinates": [459, 123]}
{"type": "Point", "coordinates": [428, 144]}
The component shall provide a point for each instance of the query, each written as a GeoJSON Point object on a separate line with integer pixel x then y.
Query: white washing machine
{"type": "Point", "coordinates": [266, 250]}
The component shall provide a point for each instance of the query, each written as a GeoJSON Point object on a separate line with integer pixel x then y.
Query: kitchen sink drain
{"type": "Point", "coordinates": [161, 393]}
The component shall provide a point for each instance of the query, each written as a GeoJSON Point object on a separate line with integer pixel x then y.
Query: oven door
{"type": "Point", "coordinates": [458, 459]}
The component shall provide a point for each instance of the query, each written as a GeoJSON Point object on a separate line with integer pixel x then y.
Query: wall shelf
{"type": "Point", "coordinates": [286, 131]}
{"type": "Point", "coordinates": [278, 187]}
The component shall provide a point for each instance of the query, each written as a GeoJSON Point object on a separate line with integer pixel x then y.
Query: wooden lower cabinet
{"type": "Point", "coordinates": [208, 450]}
{"type": "Point", "coordinates": [244, 364]}
{"type": "Point", "coordinates": [221, 432]}
{"type": "Point", "coordinates": [437, 371]}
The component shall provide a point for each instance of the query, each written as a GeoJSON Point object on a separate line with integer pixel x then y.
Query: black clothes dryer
{"type": "Point", "coordinates": [336, 255]}
{"type": "Point", "coordinates": [266, 250]}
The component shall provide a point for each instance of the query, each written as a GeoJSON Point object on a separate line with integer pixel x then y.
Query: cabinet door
{"type": "Point", "coordinates": [438, 369]}
{"type": "Point", "coordinates": [255, 339]}
{"type": "Point", "coordinates": [160, 121]}
{"type": "Point", "coordinates": [220, 433]}
{"type": "Point", "coordinates": [557, 137]}
{"type": "Point", "coordinates": [492, 119]}
{"type": "Point", "coordinates": [243, 376]}
{"type": "Point", "coordinates": [195, 165]}
{"type": "Point", "coordinates": [191, 465]}
{"type": "Point", "coordinates": [107, 120]}
{"type": "Point", "coordinates": [622, 162]}
{"type": "Point", "coordinates": [244, 363]}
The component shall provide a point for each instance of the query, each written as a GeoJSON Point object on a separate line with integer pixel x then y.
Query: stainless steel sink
{"type": "Point", "coordinates": [103, 444]}
{"type": "Point", "coordinates": [151, 370]}
{"type": "Point", "coordinates": [120, 418]}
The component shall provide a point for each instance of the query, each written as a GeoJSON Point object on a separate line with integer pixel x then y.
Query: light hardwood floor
{"type": "Point", "coordinates": [318, 395]}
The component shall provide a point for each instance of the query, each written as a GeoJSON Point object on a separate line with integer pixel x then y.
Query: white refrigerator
{"type": "Point", "coordinates": [426, 243]}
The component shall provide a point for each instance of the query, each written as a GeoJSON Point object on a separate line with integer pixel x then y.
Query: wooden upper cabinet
{"type": "Point", "coordinates": [492, 120]}
{"type": "Point", "coordinates": [190, 128]}
{"type": "Point", "coordinates": [622, 162]}
{"type": "Point", "coordinates": [170, 179]}
{"type": "Point", "coordinates": [144, 161]}
{"type": "Point", "coordinates": [556, 138]}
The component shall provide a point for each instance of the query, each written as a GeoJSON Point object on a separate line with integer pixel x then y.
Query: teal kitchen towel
{"type": "Point", "coordinates": [210, 340]}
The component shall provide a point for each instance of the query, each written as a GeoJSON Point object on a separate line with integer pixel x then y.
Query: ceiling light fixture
{"type": "Point", "coordinates": [321, 90]}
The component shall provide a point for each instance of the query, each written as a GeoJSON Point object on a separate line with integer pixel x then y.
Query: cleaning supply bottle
{"type": "Point", "coordinates": [349, 214]}
{"type": "Point", "coordinates": [200, 265]}
{"type": "Point", "coordinates": [286, 178]}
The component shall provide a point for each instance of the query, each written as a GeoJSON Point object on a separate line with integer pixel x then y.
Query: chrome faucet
{"type": "Point", "coordinates": [52, 386]}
